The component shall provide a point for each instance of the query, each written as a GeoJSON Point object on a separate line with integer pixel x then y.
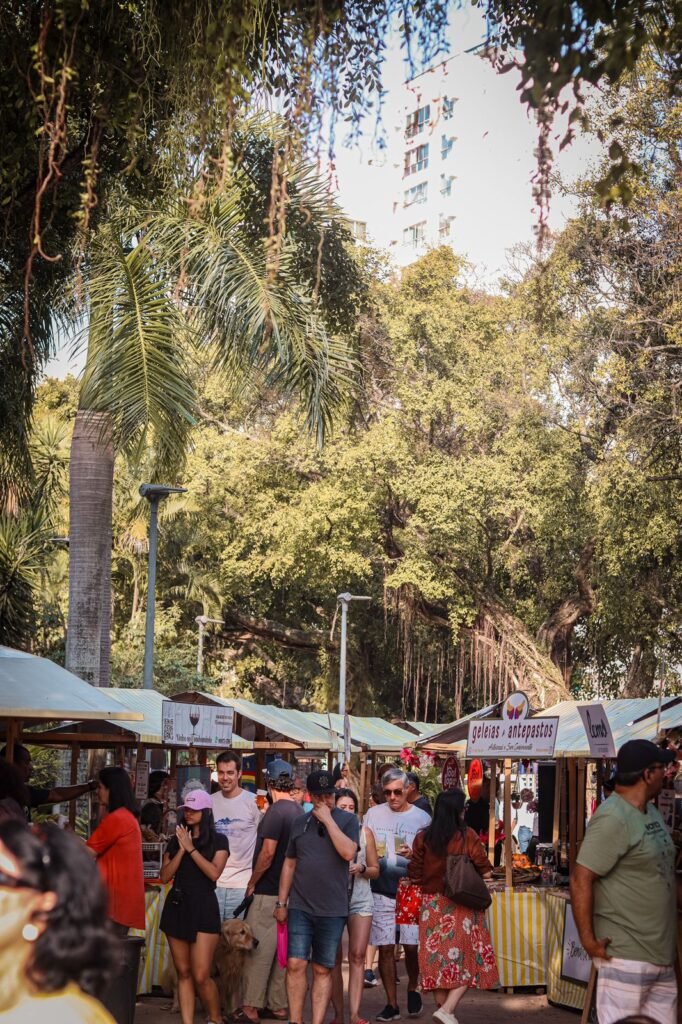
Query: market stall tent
{"type": "Point", "coordinates": [33, 688]}
{"type": "Point", "coordinates": [624, 715]}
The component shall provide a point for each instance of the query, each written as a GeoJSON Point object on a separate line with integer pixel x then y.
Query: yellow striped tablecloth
{"type": "Point", "coordinates": [156, 954]}
{"type": "Point", "coordinates": [516, 921]}
{"type": "Point", "coordinates": [560, 991]}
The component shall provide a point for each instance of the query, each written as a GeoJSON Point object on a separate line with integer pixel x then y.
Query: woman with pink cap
{"type": "Point", "coordinates": [194, 859]}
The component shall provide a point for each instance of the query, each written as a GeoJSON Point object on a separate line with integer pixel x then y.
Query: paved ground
{"type": "Point", "coordinates": [476, 1008]}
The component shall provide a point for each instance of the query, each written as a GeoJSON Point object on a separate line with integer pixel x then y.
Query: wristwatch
{"type": "Point", "coordinates": [281, 906]}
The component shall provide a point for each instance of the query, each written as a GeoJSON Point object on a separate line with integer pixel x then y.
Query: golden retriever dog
{"type": "Point", "coordinates": [236, 941]}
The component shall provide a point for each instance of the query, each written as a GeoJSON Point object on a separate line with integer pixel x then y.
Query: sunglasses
{"type": "Point", "coordinates": [12, 882]}
{"type": "Point", "coordinates": [393, 792]}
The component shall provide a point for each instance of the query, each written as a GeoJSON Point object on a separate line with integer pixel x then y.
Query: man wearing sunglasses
{"type": "Point", "coordinates": [623, 892]}
{"type": "Point", "coordinates": [322, 845]}
{"type": "Point", "coordinates": [394, 826]}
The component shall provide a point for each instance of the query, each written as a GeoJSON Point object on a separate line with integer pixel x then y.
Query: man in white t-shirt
{"type": "Point", "coordinates": [236, 817]}
{"type": "Point", "coordinates": [394, 826]}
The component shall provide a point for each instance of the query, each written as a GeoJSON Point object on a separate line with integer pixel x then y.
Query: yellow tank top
{"type": "Point", "coordinates": [69, 1006]}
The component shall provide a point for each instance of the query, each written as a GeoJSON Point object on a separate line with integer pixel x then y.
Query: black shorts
{"type": "Point", "coordinates": [191, 916]}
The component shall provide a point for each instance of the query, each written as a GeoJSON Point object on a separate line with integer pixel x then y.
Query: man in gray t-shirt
{"type": "Point", "coordinates": [313, 894]}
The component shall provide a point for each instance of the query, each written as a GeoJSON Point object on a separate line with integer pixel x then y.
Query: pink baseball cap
{"type": "Point", "coordinates": [197, 800]}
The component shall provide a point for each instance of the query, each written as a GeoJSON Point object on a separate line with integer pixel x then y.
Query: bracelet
{"type": "Point", "coordinates": [363, 868]}
{"type": "Point", "coordinates": [281, 906]}
{"type": "Point", "coordinates": [193, 850]}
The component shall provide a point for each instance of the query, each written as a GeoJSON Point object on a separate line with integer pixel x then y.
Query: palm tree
{"type": "Point", "coordinates": [176, 284]}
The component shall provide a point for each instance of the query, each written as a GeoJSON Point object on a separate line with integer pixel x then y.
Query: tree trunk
{"type": "Point", "coordinates": [91, 481]}
{"type": "Point", "coordinates": [556, 632]}
{"type": "Point", "coordinates": [641, 671]}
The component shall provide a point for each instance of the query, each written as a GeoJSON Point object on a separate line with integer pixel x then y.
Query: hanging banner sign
{"type": "Point", "coordinates": [475, 779]}
{"type": "Point", "coordinates": [451, 777]}
{"type": "Point", "coordinates": [196, 725]}
{"type": "Point", "coordinates": [500, 737]}
{"type": "Point", "coordinates": [598, 730]}
{"type": "Point", "coordinates": [142, 780]}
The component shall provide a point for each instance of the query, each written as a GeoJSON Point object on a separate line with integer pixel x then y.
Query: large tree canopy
{"type": "Point", "coordinates": [94, 95]}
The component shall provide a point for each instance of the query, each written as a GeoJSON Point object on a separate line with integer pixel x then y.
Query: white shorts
{"type": "Point", "coordinates": [383, 925]}
{"type": "Point", "coordinates": [631, 987]}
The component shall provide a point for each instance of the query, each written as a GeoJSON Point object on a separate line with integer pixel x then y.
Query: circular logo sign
{"type": "Point", "coordinates": [451, 777]}
{"type": "Point", "coordinates": [516, 706]}
{"type": "Point", "coordinates": [475, 779]}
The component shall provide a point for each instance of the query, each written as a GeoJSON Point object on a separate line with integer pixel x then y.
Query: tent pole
{"type": "Point", "coordinates": [508, 878]}
{"type": "Point", "coordinates": [491, 815]}
{"type": "Point", "coordinates": [75, 757]}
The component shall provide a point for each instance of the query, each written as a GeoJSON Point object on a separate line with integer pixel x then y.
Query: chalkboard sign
{"type": "Point", "coordinates": [576, 964]}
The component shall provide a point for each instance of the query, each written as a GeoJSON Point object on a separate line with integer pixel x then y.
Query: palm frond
{"type": "Point", "coordinates": [138, 349]}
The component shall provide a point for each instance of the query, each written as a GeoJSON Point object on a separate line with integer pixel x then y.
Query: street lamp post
{"type": "Point", "coordinates": [202, 622]}
{"type": "Point", "coordinates": [344, 600]}
{"type": "Point", "coordinates": [154, 493]}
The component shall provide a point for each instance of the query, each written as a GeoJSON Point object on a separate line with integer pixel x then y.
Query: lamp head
{"type": "Point", "coordinates": [154, 492]}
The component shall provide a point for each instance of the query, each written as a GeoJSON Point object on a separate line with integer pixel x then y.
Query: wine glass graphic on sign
{"type": "Point", "coordinates": [194, 715]}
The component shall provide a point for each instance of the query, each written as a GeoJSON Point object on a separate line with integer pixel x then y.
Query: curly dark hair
{"type": "Point", "coordinates": [77, 945]}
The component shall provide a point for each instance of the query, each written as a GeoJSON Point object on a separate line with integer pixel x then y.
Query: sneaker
{"type": "Point", "coordinates": [389, 1013]}
{"type": "Point", "coordinates": [443, 1017]}
{"type": "Point", "coordinates": [370, 979]}
{"type": "Point", "coordinates": [414, 1004]}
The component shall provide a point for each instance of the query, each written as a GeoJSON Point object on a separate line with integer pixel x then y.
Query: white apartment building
{"type": "Point", "coordinates": [404, 202]}
{"type": "Point", "coordinates": [423, 152]}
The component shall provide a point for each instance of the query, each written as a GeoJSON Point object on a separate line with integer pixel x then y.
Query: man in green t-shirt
{"type": "Point", "coordinates": [624, 896]}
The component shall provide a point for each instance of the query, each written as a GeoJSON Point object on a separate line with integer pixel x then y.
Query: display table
{"type": "Point", "coordinates": [156, 955]}
{"type": "Point", "coordinates": [560, 990]}
{"type": "Point", "coordinates": [517, 921]}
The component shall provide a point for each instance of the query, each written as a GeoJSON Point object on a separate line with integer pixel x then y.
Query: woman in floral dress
{"type": "Point", "coordinates": [455, 952]}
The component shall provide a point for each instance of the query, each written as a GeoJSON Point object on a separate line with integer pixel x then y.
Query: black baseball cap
{"type": "Point", "coordinates": [320, 782]}
{"type": "Point", "coordinates": [637, 755]}
{"type": "Point", "coordinates": [278, 769]}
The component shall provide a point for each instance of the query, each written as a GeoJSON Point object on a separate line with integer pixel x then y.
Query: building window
{"type": "Point", "coordinates": [417, 121]}
{"type": "Point", "coordinates": [446, 144]}
{"type": "Point", "coordinates": [415, 234]}
{"type": "Point", "coordinates": [417, 159]}
{"type": "Point", "coordinates": [416, 194]}
{"type": "Point", "coordinates": [448, 107]}
{"type": "Point", "coordinates": [446, 181]}
{"type": "Point", "coordinates": [444, 227]}
{"type": "Point", "coordinates": [358, 229]}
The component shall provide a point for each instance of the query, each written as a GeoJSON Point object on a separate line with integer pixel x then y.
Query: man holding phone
{"type": "Point", "coordinates": [394, 826]}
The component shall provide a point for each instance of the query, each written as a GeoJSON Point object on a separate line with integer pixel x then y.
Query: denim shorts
{"type": "Point", "coordinates": [317, 935]}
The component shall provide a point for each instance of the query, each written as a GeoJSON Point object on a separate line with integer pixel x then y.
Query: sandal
{"type": "Point", "coordinates": [268, 1014]}
{"type": "Point", "coordinates": [239, 1017]}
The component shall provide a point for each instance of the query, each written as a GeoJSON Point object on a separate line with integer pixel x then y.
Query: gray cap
{"type": "Point", "coordinates": [278, 769]}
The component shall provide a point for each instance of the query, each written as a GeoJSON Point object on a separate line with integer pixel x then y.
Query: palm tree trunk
{"type": "Point", "coordinates": [91, 481]}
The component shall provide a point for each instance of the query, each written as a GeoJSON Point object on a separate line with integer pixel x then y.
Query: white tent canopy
{"type": "Point", "coordinates": [36, 688]}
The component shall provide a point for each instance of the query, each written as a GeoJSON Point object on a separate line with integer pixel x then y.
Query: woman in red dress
{"type": "Point", "coordinates": [455, 952]}
{"type": "Point", "coordinates": [117, 844]}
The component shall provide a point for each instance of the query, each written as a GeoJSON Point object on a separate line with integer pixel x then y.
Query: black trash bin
{"type": "Point", "coordinates": [121, 993]}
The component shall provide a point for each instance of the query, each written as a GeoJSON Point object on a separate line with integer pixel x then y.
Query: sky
{"type": "Point", "coordinates": [495, 161]}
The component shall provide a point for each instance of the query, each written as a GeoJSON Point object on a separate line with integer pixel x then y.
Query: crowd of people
{"type": "Point", "coordinates": [308, 869]}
